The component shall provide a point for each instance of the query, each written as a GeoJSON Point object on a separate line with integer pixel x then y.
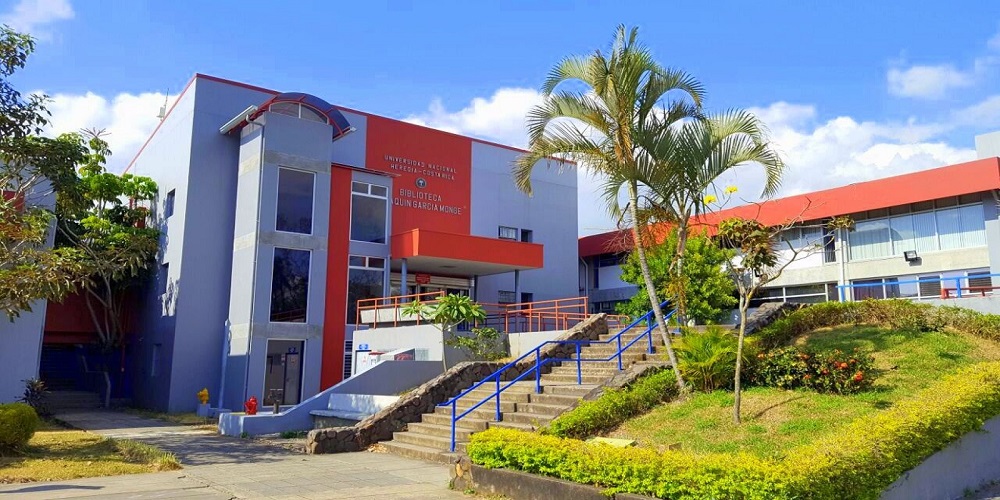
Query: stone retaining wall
{"type": "Point", "coordinates": [423, 399]}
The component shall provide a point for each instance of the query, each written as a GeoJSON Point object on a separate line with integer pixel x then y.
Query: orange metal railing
{"type": "Point", "coordinates": [558, 314]}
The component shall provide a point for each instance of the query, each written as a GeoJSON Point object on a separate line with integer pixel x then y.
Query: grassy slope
{"type": "Point", "coordinates": [775, 420]}
{"type": "Point", "coordinates": [55, 454]}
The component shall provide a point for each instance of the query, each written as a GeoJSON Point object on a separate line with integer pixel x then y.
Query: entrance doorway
{"type": "Point", "coordinates": [283, 372]}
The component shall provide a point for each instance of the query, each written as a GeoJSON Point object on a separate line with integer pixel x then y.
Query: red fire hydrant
{"type": "Point", "coordinates": [251, 406]}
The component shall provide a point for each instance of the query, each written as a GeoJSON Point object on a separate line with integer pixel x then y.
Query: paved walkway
{"type": "Point", "coordinates": [217, 467]}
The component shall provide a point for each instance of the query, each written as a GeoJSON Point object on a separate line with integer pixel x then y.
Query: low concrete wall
{"type": "Point", "coordinates": [965, 465]}
{"type": "Point", "coordinates": [410, 408]}
{"type": "Point", "coordinates": [386, 378]}
{"type": "Point", "coordinates": [521, 343]}
{"type": "Point", "coordinates": [988, 305]}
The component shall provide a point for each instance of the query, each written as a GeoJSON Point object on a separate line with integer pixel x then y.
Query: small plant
{"type": "Point", "coordinates": [34, 395]}
{"type": "Point", "coordinates": [449, 312]}
{"type": "Point", "coordinates": [833, 372]}
{"type": "Point", "coordinates": [292, 434]}
{"type": "Point", "coordinates": [708, 359]}
{"type": "Point", "coordinates": [18, 423]}
{"type": "Point", "coordinates": [203, 396]}
{"type": "Point", "coordinates": [485, 344]}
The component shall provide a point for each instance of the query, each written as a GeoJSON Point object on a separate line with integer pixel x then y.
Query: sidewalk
{"type": "Point", "coordinates": [217, 467]}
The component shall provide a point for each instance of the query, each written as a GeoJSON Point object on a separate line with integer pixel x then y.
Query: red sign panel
{"type": "Point", "coordinates": [422, 279]}
{"type": "Point", "coordinates": [433, 174]}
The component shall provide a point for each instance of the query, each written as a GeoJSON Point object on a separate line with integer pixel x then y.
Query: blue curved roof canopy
{"type": "Point", "coordinates": [340, 124]}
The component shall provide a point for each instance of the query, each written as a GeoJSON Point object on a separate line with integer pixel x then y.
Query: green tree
{"type": "Point", "coordinates": [31, 169]}
{"type": "Point", "coordinates": [622, 93]}
{"type": "Point", "coordinates": [108, 226]}
{"type": "Point", "coordinates": [446, 313]}
{"type": "Point", "coordinates": [686, 160]}
{"type": "Point", "coordinates": [708, 289]}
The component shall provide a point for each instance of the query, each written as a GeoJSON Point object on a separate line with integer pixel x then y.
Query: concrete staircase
{"type": "Point", "coordinates": [69, 401]}
{"type": "Point", "coordinates": [520, 407]}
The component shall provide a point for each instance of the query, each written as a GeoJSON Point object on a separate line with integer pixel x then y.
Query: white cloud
{"type": "Point", "coordinates": [129, 119]}
{"type": "Point", "coordinates": [34, 16]}
{"type": "Point", "coordinates": [928, 82]}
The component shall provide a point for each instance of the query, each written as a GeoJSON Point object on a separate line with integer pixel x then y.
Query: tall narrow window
{"type": "Point", "coordinates": [295, 201]}
{"type": "Point", "coordinates": [365, 280]}
{"type": "Point", "coordinates": [290, 285]}
{"type": "Point", "coordinates": [168, 204]}
{"type": "Point", "coordinates": [369, 209]}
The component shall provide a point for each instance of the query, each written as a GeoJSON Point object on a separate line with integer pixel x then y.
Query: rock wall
{"type": "Point", "coordinates": [423, 399]}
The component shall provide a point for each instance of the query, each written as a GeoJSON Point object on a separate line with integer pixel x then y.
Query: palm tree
{"type": "Point", "coordinates": [596, 126]}
{"type": "Point", "coordinates": [684, 161]}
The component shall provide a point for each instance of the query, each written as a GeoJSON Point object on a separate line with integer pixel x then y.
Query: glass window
{"type": "Point", "coordinates": [168, 205]}
{"type": "Point", "coordinates": [868, 289]}
{"type": "Point", "coordinates": [870, 240]}
{"type": "Point", "coordinates": [973, 225]}
{"type": "Point", "coordinates": [369, 212]}
{"type": "Point", "coordinates": [949, 228]}
{"type": "Point", "coordinates": [508, 233]}
{"type": "Point", "coordinates": [362, 283]}
{"type": "Point", "coordinates": [285, 108]}
{"type": "Point", "coordinates": [307, 113]}
{"type": "Point", "coordinates": [289, 285]}
{"type": "Point", "coordinates": [930, 285]}
{"type": "Point", "coordinates": [527, 235]}
{"type": "Point", "coordinates": [901, 231]}
{"type": "Point", "coordinates": [980, 279]}
{"type": "Point", "coordinates": [506, 296]}
{"type": "Point", "coordinates": [924, 232]}
{"type": "Point", "coordinates": [295, 201]}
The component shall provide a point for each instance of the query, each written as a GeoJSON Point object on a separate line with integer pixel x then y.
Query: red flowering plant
{"type": "Point", "coordinates": [834, 371]}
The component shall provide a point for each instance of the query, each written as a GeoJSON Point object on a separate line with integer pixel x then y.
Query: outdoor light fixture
{"type": "Point", "coordinates": [910, 255]}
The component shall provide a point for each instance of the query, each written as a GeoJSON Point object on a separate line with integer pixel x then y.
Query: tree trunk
{"type": "Point", "coordinates": [444, 347]}
{"type": "Point", "coordinates": [739, 358]}
{"type": "Point", "coordinates": [650, 287]}
{"type": "Point", "coordinates": [681, 291]}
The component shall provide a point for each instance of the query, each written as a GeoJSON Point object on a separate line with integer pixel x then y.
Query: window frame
{"type": "Point", "coordinates": [312, 208]}
{"type": "Point", "coordinates": [368, 194]}
{"type": "Point", "coordinates": [364, 267]}
{"type": "Point", "coordinates": [309, 288]}
{"type": "Point", "coordinates": [500, 233]}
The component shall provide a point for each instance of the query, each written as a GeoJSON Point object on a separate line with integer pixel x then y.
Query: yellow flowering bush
{"type": "Point", "coordinates": [203, 396]}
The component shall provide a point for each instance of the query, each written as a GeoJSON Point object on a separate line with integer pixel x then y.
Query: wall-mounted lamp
{"type": "Point", "coordinates": [910, 256]}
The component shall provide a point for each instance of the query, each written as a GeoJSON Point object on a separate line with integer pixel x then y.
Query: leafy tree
{"type": "Point", "coordinates": [610, 98]}
{"type": "Point", "coordinates": [707, 288]}
{"type": "Point", "coordinates": [108, 226]}
{"type": "Point", "coordinates": [31, 169]}
{"type": "Point", "coordinates": [686, 160]}
{"type": "Point", "coordinates": [446, 313]}
{"type": "Point", "coordinates": [486, 344]}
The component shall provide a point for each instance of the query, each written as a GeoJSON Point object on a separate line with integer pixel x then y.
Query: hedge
{"type": "Point", "coordinates": [859, 461]}
{"type": "Point", "coordinates": [615, 406]}
{"type": "Point", "coordinates": [895, 313]}
{"type": "Point", "coordinates": [18, 423]}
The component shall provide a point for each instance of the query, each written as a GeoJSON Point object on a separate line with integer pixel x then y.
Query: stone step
{"type": "Point", "coordinates": [509, 424]}
{"type": "Point", "coordinates": [444, 431]}
{"type": "Point", "coordinates": [568, 378]}
{"type": "Point", "coordinates": [506, 404]}
{"type": "Point", "coordinates": [539, 408]}
{"type": "Point", "coordinates": [468, 422]}
{"type": "Point", "coordinates": [478, 414]}
{"type": "Point", "coordinates": [606, 369]}
{"type": "Point", "coordinates": [564, 389]}
{"type": "Point", "coordinates": [416, 451]}
{"type": "Point", "coordinates": [507, 395]}
{"type": "Point", "coordinates": [554, 399]}
{"type": "Point", "coordinates": [534, 420]}
{"type": "Point", "coordinates": [439, 443]}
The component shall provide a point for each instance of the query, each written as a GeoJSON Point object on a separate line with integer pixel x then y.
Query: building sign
{"type": "Point", "coordinates": [432, 175]}
{"type": "Point", "coordinates": [422, 279]}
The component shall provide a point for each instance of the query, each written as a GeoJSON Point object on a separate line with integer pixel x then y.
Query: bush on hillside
{"type": "Point", "coordinates": [615, 406]}
{"type": "Point", "coordinates": [707, 360]}
{"type": "Point", "coordinates": [834, 371]}
{"type": "Point", "coordinates": [18, 423]}
{"type": "Point", "coordinates": [858, 461]}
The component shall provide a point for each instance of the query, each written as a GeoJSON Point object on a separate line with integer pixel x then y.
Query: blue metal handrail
{"type": "Point", "coordinates": [539, 363]}
{"type": "Point", "coordinates": [842, 289]}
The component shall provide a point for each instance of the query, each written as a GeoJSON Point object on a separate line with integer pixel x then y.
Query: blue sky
{"type": "Point", "coordinates": [851, 92]}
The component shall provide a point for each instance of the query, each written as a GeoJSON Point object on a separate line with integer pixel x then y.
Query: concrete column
{"type": "Point", "coordinates": [517, 286]}
{"type": "Point", "coordinates": [475, 288]}
{"type": "Point", "coordinates": [402, 279]}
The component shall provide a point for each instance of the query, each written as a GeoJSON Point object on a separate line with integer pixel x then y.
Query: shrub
{"type": "Point", "coordinates": [707, 360]}
{"type": "Point", "coordinates": [485, 344]}
{"type": "Point", "coordinates": [18, 423]}
{"type": "Point", "coordinates": [828, 372]}
{"type": "Point", "coordinates": [34, 395]}
{"type": "Point", "coordinates": [615, 406]}
{"type": "Point", "coordinates": [859, 461]}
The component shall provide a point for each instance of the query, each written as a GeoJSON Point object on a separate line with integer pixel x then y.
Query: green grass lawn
{"type": "Point", "coordinates": [776, 420]}
{"type": "Point", "coordinates": [56, 454]}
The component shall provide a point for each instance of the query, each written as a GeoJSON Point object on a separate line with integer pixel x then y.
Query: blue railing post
{"type": "Point", "coordinates": [538, 371]}
{"type": "Point", "coordinates": [454, 402]}
{"type": "Point", "coordinates": [498, 397]}
{"type": "Point", "coordinates": [649, 336]}
{"type": "Point", "coordinates": [619, 337]}
{"type": "Point", "coordinates": [958, 288]}
{"type": "Point", "coordinates": [579, 365]}
{"type": "Point", "coordinates": [840, 290]}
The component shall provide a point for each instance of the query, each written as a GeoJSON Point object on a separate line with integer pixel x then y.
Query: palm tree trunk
{"type": "Point", "coordinates": [681, 291]}
{"type": "Point", "coordinates": [654, 300]}
{"type": "Point", "coordinates": [739, 358]}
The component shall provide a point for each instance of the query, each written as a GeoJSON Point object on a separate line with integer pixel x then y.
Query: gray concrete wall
{"type": "Point", "coordinates": [987, 305]}
{"type": "Point", "coordinates": [964, 466]}
{"type": "Point", "coordinates": [550, 213]}
{"type": "Point", "coordinates": [521, 343]}
{"type": "Point", "coordinates": [988, 145]}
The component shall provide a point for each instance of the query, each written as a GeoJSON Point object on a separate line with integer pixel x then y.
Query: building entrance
{"type": "Point", "coordinates": [283, 372]}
